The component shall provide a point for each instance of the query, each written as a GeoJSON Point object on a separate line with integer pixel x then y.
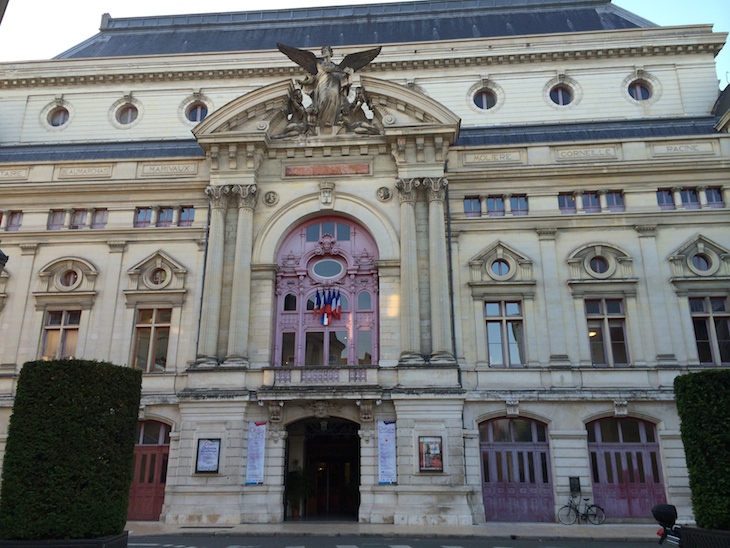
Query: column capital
{"type": "Point", "coordinates": [407, 189]}
{"type": "Point", "coordinates": [247, 195]}
{"type": "Point", "coordinates": [218, 195]}
{"type": "Point", "coordinates": [435, 187]}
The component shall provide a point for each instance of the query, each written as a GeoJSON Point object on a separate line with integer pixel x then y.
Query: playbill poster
{"type": "Point", "coordinates": [256, 452]}
{"type": "Point", "coordinates": [386, 452]}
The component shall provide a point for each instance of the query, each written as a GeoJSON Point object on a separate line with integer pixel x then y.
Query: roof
{"type": "Point", "coordinates": [472, 137]}
{"type": "Point", "coordinates": [413, 21]}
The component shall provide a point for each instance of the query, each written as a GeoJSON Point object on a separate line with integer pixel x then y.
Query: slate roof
{"type": "Point", "coordinates": [471, 137]}
{"type": "Point", "coordinates": [413, 21]}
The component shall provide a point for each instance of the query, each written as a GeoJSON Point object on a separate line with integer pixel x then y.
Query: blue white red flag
{"type": "Point", "coordinates": [336, 305]}
{"type": "Point", "coordinates": [327, 307]}
{"type": "Point", "coordinates": [317, 303]}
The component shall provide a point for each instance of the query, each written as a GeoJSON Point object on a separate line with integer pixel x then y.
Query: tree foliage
{"type": "Point", "coordinates": [70, 449]}
{"type": "Point", "coordinates": [703, 403]}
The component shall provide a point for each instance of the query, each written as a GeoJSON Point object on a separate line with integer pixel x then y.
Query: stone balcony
{"type": "Point", "coordinates": [336, 377]}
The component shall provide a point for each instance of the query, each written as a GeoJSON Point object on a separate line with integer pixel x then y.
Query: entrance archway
{"type": "Point", "coordinates": [326, 452]}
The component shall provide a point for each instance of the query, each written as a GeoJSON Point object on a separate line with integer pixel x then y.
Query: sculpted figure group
{"type": "Point", "coordinates": [328, 86]}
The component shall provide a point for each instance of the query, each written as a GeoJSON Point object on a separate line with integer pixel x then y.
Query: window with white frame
{"type": "Point", "coordinates": [518, 204]}
{"type": "Point", "coordinates": [78, 219]}
{"type": "Point", "coordinates": [711, 322]}
{"type": "Point", "coordinates": [591, 202]}
{"type": "Point", "coordinates": [607, 332]}
{"type": "Point", "coordinates": [665, 198]}
{"type": "Point", "coordinates": [152, 335]}
{"type": "Point", "coordinates": [164, 216]}
{"type": "Point", "coordinates": [714, 197]}
{"type": "Point", "coordinates": [505, 333]}
{"type": "Point", "coordinates": [142, 217]}
{"type": "Point", "coordinates": [99, 218]}
{"type": "Point", "coordinates": [187, 216]}
{"type": "Point", "coordinates": [566, 203]}
{"type": "Point", "coordinates": [60, 334]}
{"type": "Point", "coordinates": [615, 200]}
{"type": "Point", "coordinates": [690, 198]}
{"type": "Point", "coordinates": [56, 219]}
{"type": "Point", "coordinates": [472, 206]}
{"type": "Point", "coordinates": [495, 206]}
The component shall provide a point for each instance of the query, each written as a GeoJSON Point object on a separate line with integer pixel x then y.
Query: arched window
{"type": "Point", "coordinates": [338, 258]}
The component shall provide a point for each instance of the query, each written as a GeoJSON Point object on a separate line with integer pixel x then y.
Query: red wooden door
{"type": "Point", "coordinates": [516, 483]}
{"type": "Point", "coordinates": [147, 493]}
{"type": "Point", "coordinates": [625, 465]}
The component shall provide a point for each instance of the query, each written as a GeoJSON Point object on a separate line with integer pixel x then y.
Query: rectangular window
{"type": "Point", "coordinates": [152, 335]}
{"type": "Point", "coordinates": [518, 204]}
{"type": "Point", "coordinates": [61, 334]}
{"type": "Point", "coordinates": [505, 334]}
{"type": "Point", "coordinates": [364, 347]}
{"type": "Point", "coordinates": [288, 348]}
{"type": "Point", "coordinates": [714, 197]}
{"type": "Point", "coordinates": [615, 201]}
{"type": "Point", "coordinates": [78, 219]}
{"type": "Point", "coordinates": [711, 322]}
{"type": "Point", "coordinates": [607, 332]}
{"type": "Point", "coordinates": [690, 198]}
{"type": "Point", "coordinates": [665, 199]}
{"type": "Point", "coordinates": [187, 216]}
{"type": "Point", "coordinates": [495, 206]}
{"type": "Point", "coordinates": [99, 218]}
{"type": "Point", "coordinates": [164, 216]}
{"type": "Point", "coordinates": [15, 220]}
{"type": "Point", "coordinates": [56, 218]}
{"type": "Point", "coordinates": [472, 206]}
{"type": "Point", "coordinates": [142, 217]}
{"type": "Point", "coordinates": [591, 203]}
{"type": "Point", "coordinates": [566, 203]}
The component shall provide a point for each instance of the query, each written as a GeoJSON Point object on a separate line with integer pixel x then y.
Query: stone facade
{"type": "Point", "coordinates": [560, 234]}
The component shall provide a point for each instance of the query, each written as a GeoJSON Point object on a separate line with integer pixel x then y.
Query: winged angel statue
{"type": "Point", "coordinates": [328, 85]}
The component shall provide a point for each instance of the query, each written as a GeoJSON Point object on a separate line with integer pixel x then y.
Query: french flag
{"type": "Point", "coordinates": [327, 313]}
{"type": "Point", "coordinates": [317, 303]}
{"type": "Point", "coordinates": [336, 305]}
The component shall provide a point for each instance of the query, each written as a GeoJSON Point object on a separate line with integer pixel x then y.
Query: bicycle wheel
{"type": "Point", "coordinates": [595, 514]}
{"type": "Point", "coordinates": [567, 515]}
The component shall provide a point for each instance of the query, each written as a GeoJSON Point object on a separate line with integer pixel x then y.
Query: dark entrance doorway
{"type": "Point", "coordinates": [151, 452]}
{"type": "Point", "coordinates": [330, 452]}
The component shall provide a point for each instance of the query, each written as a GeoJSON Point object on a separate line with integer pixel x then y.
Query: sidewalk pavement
{"type": "Point", "coordinates": [515, 531]}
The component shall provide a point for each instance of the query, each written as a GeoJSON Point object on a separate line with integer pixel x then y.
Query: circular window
{"type": "Point", "coordinates": [561, 95]}
{"type": "Point", "coordinates": [485, 99]}
{"type": "Point", "coordinates": [58, 116]}
{"type": "Point", "coordinates": [69, 278]}
{"type": "Point", "coordinates": [327, 268]}
{"type": "Point", "coordinates": [639, 90]}
{"type": "Point", "coordinates": [500, 267]}
{"type": "Point", "coordinates": [701, 262]}
{"type": "Point", "coordinates": [196, 112]}
{"type": "Point", "coordinates": [599, 265]}
{"type": "Point", "coordinates": [127, 114]}
{"type": "Point", "coordinates": [158, 276]}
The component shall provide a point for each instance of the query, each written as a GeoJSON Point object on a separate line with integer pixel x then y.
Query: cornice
{"type": "Point", "coordinates": [590, 46]}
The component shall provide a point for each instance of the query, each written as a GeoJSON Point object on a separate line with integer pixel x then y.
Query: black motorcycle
{"type": "Point", "coordinates": [666, 516]}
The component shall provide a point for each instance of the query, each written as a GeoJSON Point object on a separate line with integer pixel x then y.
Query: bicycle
{"type": "Point", "coordinates": [569, 513]}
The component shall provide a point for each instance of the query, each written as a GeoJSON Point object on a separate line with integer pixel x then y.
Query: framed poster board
{"type": "Point", "coordinates": [430, 455]}
{"type": "Point", "coordinates": [209, 451]}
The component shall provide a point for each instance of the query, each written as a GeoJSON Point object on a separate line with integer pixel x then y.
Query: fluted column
{"type": "Point", "coordinates": [212, 289]}
{"type": "Point", "coordinates": [441, 347]}
{"type": "Point", "coordinates": [241, 290]}
{"type": "Point", "coordinates": [409, 308]}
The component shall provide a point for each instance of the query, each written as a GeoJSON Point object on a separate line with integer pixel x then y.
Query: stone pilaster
{"type": "Point", "coordinates": [410, 309]}
{"type": "Point", "coordinates": [441, 340]}
{"type": "Point", "coordinates": [241, 290]}
{"type": "Point", "coordinates": [212, 288]}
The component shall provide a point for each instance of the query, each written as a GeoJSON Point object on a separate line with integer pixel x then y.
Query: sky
{"type": "Point", "coordinates": [42, 29]}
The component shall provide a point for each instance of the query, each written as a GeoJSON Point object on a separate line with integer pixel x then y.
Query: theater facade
{"type": "Point", "coordinates": [416, 263]}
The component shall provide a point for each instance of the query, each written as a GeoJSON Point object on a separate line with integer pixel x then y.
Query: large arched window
{"type": "Point", "coordinates": [327, 293]}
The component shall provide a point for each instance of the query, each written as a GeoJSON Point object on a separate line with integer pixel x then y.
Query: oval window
{"type": "Point", "coordinates": [58, 116]}
{"type": "Point", "coordinates": [599, 264]}
{"type": "Point", "coordinates": [127, 114]}
{"type": "Point", "coordinates": [561, 95]}
{"type": "Point", "coordinates": [639, 91]}
{"type": "Point", "coordinates": [500, 267]}
{"type": "Point", "coordinates": [485, 99]}
{"type": "Point", "coordinates": [197, 112]}
{"type": "Point", "coordinates": [701, 262]}
{"type": "Point", "coordinates": [327, 268]}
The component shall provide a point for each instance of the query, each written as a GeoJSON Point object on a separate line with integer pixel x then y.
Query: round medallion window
{"type": "Point", "coordinates": [69, 278]}
{"type": "Point", "coordinates": [158, 276]}
{"type": "Point", "coordinates": [701, 262]}
{"type": "Point", "coordinates": [561, 95]}
{"type": "Point", "coordinates": [599, 265]}
{"type": "Point", "coordinates": [485, 99]}
{"type": "Point", "coordinates": [327, 268]}
{"type": "Point", "coordinates": [127, 114]}
{"type": "Point", "coordinates": [58, 116]}
{"type": "Point", "coordinates": [197, 112]}
{"type": "Point", "coordinates": [500, 267]}
{"type": "Point", "coordinates": [639, 91]}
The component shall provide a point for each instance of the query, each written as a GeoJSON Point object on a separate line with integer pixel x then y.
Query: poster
{"type": "Point", "coordinates": [386, 453]}
{"type": "Point", "coordinates": [208, 456]}
{"type": "Point", "coordinates": [430, 456]}
{"type": "Point", "coordinates": [256, 452]}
